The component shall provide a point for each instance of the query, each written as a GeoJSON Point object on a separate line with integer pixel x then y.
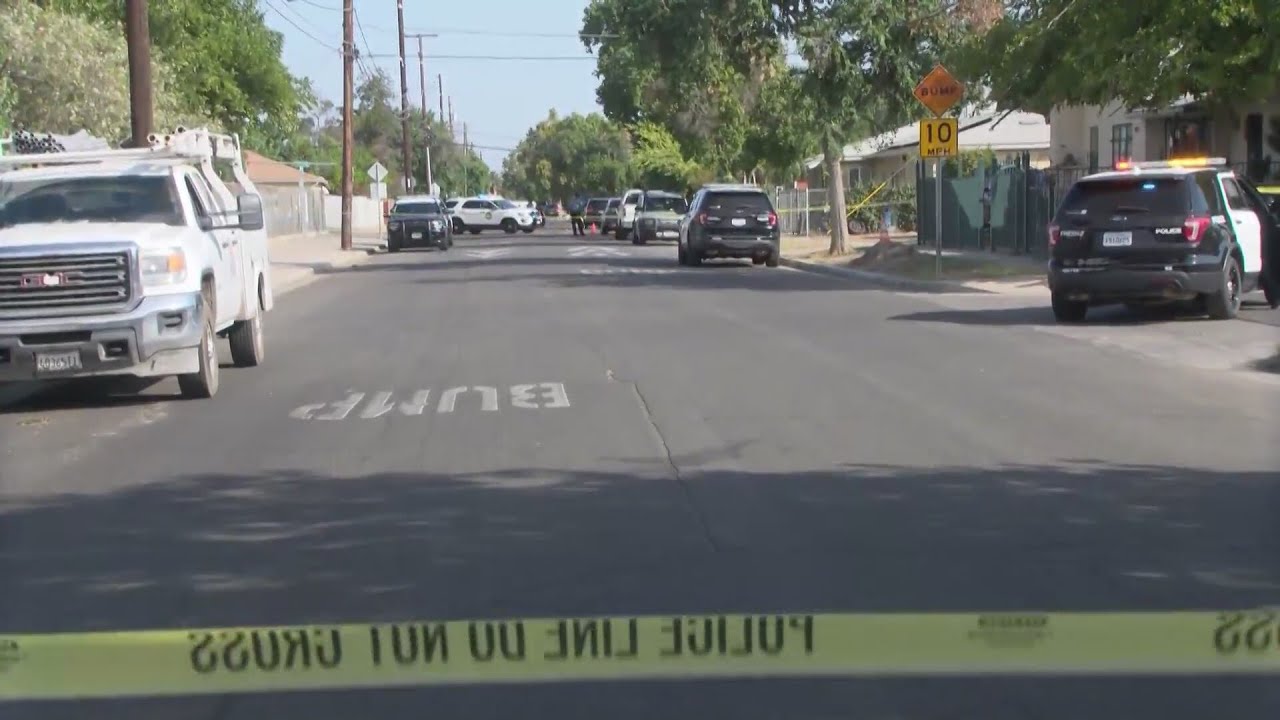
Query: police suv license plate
{"type": "Point", "coordinates": [416, 236]}
{"type": "Point", "coordinates": [1117, 239]}
{"type": "Point", "coordinates": [668, 234]}
{"type": "Point", "coordinates": [58, 362]}
{"type": "Point", "coordinates": [739, 222]}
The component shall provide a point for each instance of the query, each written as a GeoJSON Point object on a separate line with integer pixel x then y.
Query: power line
{"type": "Point", "coordinates": [368, 50]}
{"type": "Point", "coordinates": [300, 28]}
{"type": "Point", "coordinates": [498, 57]}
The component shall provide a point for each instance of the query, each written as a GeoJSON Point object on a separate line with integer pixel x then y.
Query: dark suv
{"type": "Point", "coordinates": [418, 222]}
{"type": "Point", "coordinates": [730, 221]}
{"type": "Point", "coordinates": [1157, 233]}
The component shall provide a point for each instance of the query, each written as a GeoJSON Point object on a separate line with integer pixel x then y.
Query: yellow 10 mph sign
{"type": "Point", "coordinates": [939, 138]}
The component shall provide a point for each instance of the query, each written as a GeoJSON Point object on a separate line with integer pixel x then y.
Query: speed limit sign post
{"type": "Point", "coordinates": [939, 139]}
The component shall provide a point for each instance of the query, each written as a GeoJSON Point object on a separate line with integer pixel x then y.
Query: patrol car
{"type": "Point", "coordinates": [418, 221]}
{"type": "Point", "coordinates": [1160, 232]}
{"type": "Point", "coordinates": [490, 212]}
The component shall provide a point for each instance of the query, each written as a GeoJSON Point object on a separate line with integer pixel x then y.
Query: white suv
{"type": "Point", "coordinates": [484, 212]}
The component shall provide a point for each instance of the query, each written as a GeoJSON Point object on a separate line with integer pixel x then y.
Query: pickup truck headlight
{"type": "Point", "coordinates": [162, 268]}
{"type": "Point", "coordinates": [436, 224]}
{"type": "Point", "coordinates": [393, 225]}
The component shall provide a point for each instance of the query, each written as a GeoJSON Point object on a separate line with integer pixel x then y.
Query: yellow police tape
{"type": "Point", "coordinates": [236, 660]}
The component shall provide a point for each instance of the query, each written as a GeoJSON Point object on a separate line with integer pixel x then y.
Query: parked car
{"type": "Point", "coordinates": [593, 212]}
{"type": "Point", "coordinates": [609, 221]}
{"type": "Point", "coordinates": [731, 221]}
{"type": "Point", "coordinates": [658, 216]}
{"type": "Point", "coordinates": [418, 221]}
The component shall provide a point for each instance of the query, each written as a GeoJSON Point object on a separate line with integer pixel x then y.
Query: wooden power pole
{"type": "Point", "coordinates": [137, 32]}
{"type": "Point", "coordinates": [406, 147]}
{"type": "Point", "coordinates": [348, 137]}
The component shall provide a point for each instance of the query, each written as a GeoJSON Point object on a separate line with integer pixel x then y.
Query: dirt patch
{"type": "Point", "coordinates": [912, 261]}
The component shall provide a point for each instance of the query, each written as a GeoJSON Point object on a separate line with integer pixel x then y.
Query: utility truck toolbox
{"type": "Point", "coordinates": [130, 262]}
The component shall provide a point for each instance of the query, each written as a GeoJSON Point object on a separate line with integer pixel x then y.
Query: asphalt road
{"type": "Point", "coordinates": [724, 438]}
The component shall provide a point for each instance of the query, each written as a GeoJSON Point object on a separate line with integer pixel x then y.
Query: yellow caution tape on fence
{"type": "Point", "coordinates": [430, 652]}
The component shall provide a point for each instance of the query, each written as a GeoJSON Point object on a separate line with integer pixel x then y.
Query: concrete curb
{"type": "Point", "coordinates": [307, 275]}
{"type": "Point", "coordinates": [891, 282]}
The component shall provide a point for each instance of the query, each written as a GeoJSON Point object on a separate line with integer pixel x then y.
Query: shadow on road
{"type": "Point", "coordinates": [1042, 315]}
{"type": "Point", "coordinates": [297, 547]}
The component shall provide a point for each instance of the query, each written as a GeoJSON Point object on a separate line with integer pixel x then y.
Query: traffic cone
{"type": "Point", "coordinates": [592, 228]}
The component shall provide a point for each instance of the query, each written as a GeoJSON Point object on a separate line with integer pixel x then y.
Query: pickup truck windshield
{"type": "Point", "coordinates": [662, 203]}
{"type": "Point", "coordinates": [131, 199]}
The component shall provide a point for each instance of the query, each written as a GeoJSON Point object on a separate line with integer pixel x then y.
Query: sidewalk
{"type": "Point", "coordinates": [903, 265]}
{"type": "Point", "coordinates": [296, 259]}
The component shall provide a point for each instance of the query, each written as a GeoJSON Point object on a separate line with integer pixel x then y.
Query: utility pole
{"type": "Point", "coordinates": [137, 32]}
{"type": "Point", "coordinates": [428, 131]}
{"type": "Point", "coordinates": [466, 166]}
{"type": "Point", "coordinates": [451, 115]}
{"type": "Point", "coordinates": [348, 138]}
{"type": "Point", "coordinates": [440, 85]}
{"type": "Point", "coordinates": [406, 147]}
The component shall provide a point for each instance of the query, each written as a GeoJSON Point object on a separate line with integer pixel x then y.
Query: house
{"type": "Point", "coordinates": [1096, 137]}
{"type": "Point", "coordinates": [891, 156]}
{"type": "Point", "coordinates": [265, 172]}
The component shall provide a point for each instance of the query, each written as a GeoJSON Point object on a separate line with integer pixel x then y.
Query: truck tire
{"type": "Point", "coordinates": [203, 384]}
{"type": "Point", "coordinates": [248, 347]}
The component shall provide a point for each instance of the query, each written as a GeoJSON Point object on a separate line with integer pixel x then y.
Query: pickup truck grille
{"type": "Point", "coordinates": [51, 285]}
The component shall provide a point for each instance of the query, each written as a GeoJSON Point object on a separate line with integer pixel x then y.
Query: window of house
{"type": "Point", "coordinates": [855, 176]}
{"type": "Point", "coordinates": [1093, 149]}
{"type": "Point", "coordinates": [1121, 142]}
{"type": "Point", "coordinates": [1186, 138]}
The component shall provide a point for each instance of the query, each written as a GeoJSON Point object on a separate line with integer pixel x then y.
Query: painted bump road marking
{"type": "Point", "coordinates": [529, 396]}
{"type": "Point", "coordinates": [599, 252]}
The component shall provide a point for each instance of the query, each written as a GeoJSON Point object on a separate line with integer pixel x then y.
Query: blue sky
{"type": "Point", "coordinates": [498, 99]}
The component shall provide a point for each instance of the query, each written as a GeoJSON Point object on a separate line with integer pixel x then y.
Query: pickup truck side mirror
{"type": "Point", "coordinates": [249, 207]}
{"type": "Point", "coordinates": [204, 222]}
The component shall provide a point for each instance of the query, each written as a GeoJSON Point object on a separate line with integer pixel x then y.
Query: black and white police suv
{"type": "Point", "coordinates": [1159, 232]}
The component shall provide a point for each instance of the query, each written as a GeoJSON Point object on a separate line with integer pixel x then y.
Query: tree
{"type": "Point", "coordinates": [225, 61]}
{"type": "Point", "coordinates": [63, 73]}
{"type": "Point", "coordinates": [1043, 53]}
{"type": "Point", "coordinates": [563, 157]}
{"type": "Point", "coordinates": [660, 162]}
{"type": "Point", "coordinates": [695, 67]}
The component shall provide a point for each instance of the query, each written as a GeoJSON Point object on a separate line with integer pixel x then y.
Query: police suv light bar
{"type": "Point", "coordinates": [1174, 163]}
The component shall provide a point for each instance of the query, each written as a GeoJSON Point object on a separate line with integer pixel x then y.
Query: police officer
{"type": "Point", "coordinates": [577, 207]}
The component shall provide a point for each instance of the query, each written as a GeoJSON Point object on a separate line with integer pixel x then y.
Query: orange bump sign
{"type": "Point", "coordinates": [939, 90]}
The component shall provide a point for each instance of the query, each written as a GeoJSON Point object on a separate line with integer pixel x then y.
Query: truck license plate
{"type": "Point", "coordinates": [668, 234]}
{"type": "Point", "coordinates": [58, 362]}
{"type": "Point", "coordinates": [416, 236]}
{"type": "Point", "coordinates": [1117, 239]}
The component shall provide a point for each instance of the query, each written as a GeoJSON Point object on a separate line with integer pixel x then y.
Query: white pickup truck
{"type": "Point", "coordinates": [131, 262]}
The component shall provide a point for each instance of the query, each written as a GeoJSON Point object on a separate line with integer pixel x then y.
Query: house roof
{"type": "Point", "coordinates": [981, 130]}
{"type": "Point", "coordinates": [263, 170]}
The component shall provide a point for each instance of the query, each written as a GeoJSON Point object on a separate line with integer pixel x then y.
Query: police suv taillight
{"type": "Point", "coordinates": [1195, 227]}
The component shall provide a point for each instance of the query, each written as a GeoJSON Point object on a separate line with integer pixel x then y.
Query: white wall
{"type": "Point", "coordinates": [366, 214]}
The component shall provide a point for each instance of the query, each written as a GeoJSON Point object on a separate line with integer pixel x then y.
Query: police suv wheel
{"type": "Point", "coordinates": [1225, 303]}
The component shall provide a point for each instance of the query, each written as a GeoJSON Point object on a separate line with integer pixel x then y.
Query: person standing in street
{"type": "Point", "coordinates": [576, 208]}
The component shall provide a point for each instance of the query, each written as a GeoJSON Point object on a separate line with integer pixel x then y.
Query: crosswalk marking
{"type": "Point", "coordinates": [490, 253]}
{"type": "Point", "coordinates": [627, 271]}
{"type": "Point", "coordinates": [593, 251]}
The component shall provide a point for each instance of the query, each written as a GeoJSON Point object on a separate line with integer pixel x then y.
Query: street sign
{"type": "Point", "coordinates": [377, 172]}
{"type": "Point", "coordinates": [939, 138]}
{"type": "Point", "coordinates": [939, 91]}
